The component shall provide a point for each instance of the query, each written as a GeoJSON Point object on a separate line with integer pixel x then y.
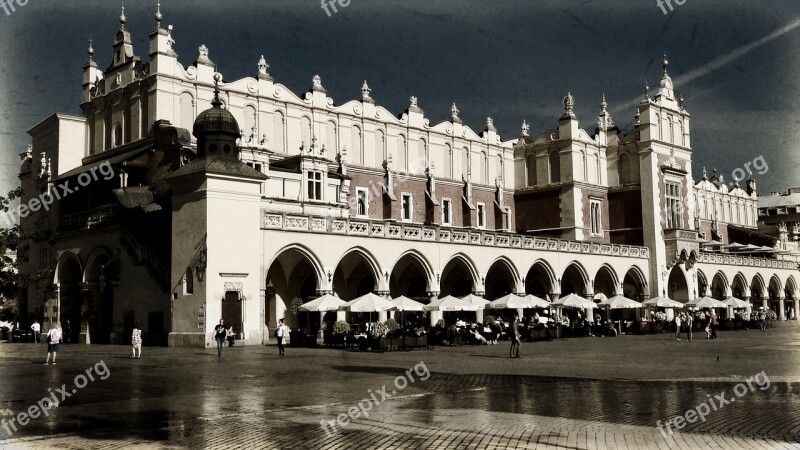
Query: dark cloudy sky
{"type": "Point", "coordinates": [736, 61]}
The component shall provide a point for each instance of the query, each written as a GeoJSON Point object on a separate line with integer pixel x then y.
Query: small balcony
{"type": "Point", "coordinates": [87, 220]}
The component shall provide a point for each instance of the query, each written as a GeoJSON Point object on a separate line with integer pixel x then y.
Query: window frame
{"type": "Point", "coordinates": [480, 212]}
{"type": "Point", "coordinates": [359, 191]}
{"type": "Point", "coordinates": [595, 216]}
{"type": "Point", "coordinates": [447, 213]}
{"type": "Point", "coordinates": [314, 184]}
{"type": "Point", "coordinates": [403, 197]}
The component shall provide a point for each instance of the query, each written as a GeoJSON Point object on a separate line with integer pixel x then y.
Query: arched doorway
{"type": "Point", "coordinates": [774, 292]}
{"type": "Point", "coordinates": [500, 280]}
{"type": "Point", "coordinates": [540, 279]}
{"type": "Point", "coordinates": [719, 287]}
{"type": "Point", "coordinates": [409, 278]}
{"type": "Point", "coordinates": [605, 282]}
{"type": "Point", "coordinates": [677, 287]}
{"type": "Point", "coordinates": [68, 284]}
{"type": "Point", "coordinates": [633, 285]}
{"type": "Point", "coordinates": [574, 280]}
{"type": "Point", "coordinates": [102, 275]}
{"type": "Point", "coordinates": [291, 280]}
{"type": "Point", "coordinates": [702, 284]}
{"type": "Point", "coordinates": [758, 292]}
{"type": "Point", "coordinates": [457, 277]}
{"type": "Point", "coordinates": [355, 275]}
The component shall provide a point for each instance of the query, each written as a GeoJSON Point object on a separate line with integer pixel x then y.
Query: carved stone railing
{"type": "Point", "coordinates": [746, 261]}
{"type": "Point", "coordinates": [433, 233]}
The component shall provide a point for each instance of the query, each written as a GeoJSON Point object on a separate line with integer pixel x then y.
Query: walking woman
{"type": "Point", "coordinates": [53, 342]}
{"type": "Point", "coordinates": [136, 341]}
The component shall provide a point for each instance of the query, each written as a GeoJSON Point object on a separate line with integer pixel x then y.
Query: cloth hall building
{"type": "Point", "coordinates": [241, 199]}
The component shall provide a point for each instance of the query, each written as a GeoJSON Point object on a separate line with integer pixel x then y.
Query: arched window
{"type": "Point", "coordinates": [531, 166]}
{"type": "Point", "coordinates": [278, 127]}
{"type": "Point", "coordinates": [422, 156]}
{"type": "Point", "coordinates": [671, 130]}
{"type": "Point", "coordinates": [117, 134]}
{"type": "Point", "coordinates": [465, 169]}
{"type": "Point", "coordinates": [186, 119]}
{"type": "Point", "coordinates": [330, 137]}
{"type": "Point", "coordinates": [188, 282]}
{"type": "Point", "coordinates": [250, 122]}
{"type": "Point", "coordinates": [582, 168]}
{"type": "Point", "coordinates": [379, 147]}
{"type": "Point", "coordinates": [402, 153]}
{"type": "Point", "coordinates": [305, 130]}
{"type": "Point", "coordinates": [356, 149]}
{"type": "Point", "coordinates": [555, 167]}
{"type": "Point", "coordinates": [448, 161]}
{"type": "Point", "coordinates": [484, 169]}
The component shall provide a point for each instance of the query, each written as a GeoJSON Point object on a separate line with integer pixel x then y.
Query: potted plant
{"type": "Point", "coordinates": [341, 327]}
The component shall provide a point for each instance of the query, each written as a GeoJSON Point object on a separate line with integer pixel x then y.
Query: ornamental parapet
{"type": "Point", "coordinates": [435, 233]}
{"type": "Point", "coordinates": [744, 261]}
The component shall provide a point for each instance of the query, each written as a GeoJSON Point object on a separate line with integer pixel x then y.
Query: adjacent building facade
{"type": "Point", "coordinates": [183, 197]}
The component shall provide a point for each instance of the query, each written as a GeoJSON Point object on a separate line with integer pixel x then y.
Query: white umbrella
{"type": "Point", "coordinates": [706, 302]}
{"type": "Point", "coordinates": [476, 300]}
{"type": "Point", "coordinates": [662, 302]}
{"type": "Point", "coordinates": [404, 303]}
{"type": "Point", "coordinates": [620, 302]}
{"type": "Point", "coordinates": [736, 302]}
{"type": "Point", "coordinates": [538, 302]}
{"type": "Point", "coordinates": [369, 303]}
{"type": "Point", "coordinates": [512, 301]}
{"type": "Point", "coordinates": [449, 303]}
{"type": "Point", "coordinates": [573, 301]}
{"type": "Point", "coordinates": [327, 302]}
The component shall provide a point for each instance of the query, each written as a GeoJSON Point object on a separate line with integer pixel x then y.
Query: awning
{"type": "Point", "coordinates": [115, 156]}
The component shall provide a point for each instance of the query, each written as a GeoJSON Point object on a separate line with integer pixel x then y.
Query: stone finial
{"type": "Point", "coordinates": [569, 104]}
{"type": "Point", "coordinates": [665, 63]}
{"type": "Point", "coordinates": [202, 51]}
{"type": "Point", "coordinates": [122, 18]}
{"type": "Point", "coordinates": [637, 117]}
{"type": "Point", "coordinates": [525, 128]}
{"type": "Point", "coordinates": [490, 125]}
{"type": "Point", "coordinates": [90, 50]}
{"type": "Point", "coordinates": [413, 100]}
{"type": "Point", "coordinates": [646, 91]}
{"type": "Point", "coordinates": [454, 112]}
{"type": "Point", "coordinates": [365, 92]}
{"type": "Point", "coordinates": [262, 66]}
{"type": "Point", "coordinates": [159, 17]}
{"type": "Point", "coordinates": [316, 81]}
{"type": "Point", "coordinates": [603, 104]}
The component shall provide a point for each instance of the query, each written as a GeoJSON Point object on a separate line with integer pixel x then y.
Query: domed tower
{"type": "Point", "coordinates": [216, 130]}
{"type": "Point", "coordinates": [216, 235]}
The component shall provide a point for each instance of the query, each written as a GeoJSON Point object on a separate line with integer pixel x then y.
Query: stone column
{"type": "Point", "coordinates": [796, 307]}
{"type": "Point", "coordinates": [434, 316]}
{"type": "Point", "coordinates": [749, 308]}
{"type": "Point", "coordinates": [589, 312]}
{"type": "Point", "coordinates": [765, 302]}
{"type": "Point", "coordinates": [781, 309]}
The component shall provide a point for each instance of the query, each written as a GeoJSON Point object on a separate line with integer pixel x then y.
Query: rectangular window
{"type": "Point", "coordinates": [674, 205]}
{"type": "Point", "coordinates": [43, 258]}
{"type": "Point", "coordinates": [447, 213]}
{"type": "Point", "coordinates": [481, 215]}
{"type": "Point", "coordinates": [314, 185]}
{"type": "Point", "coordinates": [362, 207]}
{"type": "Point", "coordinates": [407, 207]}
{"type": "Point", "coordinates": [595, 217]}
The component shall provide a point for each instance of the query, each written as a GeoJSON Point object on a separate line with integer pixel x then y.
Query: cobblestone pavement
{"type": "Point", "coordinates": [579, 394]}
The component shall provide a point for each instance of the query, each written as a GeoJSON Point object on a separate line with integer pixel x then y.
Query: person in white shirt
{"type": "Point", "coordinates": [37, 331]}
{"type": "Point", "coordinates": [53, 342]}
{"type": "Point", "coordinates": [280, 334]}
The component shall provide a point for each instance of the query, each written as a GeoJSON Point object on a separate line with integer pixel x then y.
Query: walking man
{"type": "Point", "coordinates": [220, 333]}
{"type": "Point", "coordinates": [678, 326]}
{"type": "Point", "coordinates": [515, 338]}
{"type": "Point", "coordinates": [713, 322]}
{"type": "Point", "coordinates": [689, 321]}
{"type": "Point", "coordinates": [37, 331]}
{"type": "Point", "coordinates": [280, 334]}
